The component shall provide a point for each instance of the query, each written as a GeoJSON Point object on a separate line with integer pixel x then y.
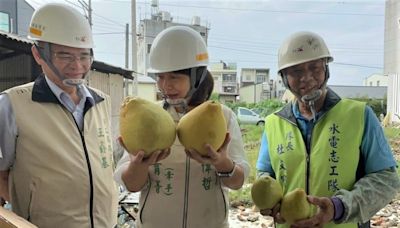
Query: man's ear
{"type": "Point", "coordinates": [36, 55]}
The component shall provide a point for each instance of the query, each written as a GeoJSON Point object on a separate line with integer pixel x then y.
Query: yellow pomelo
{"type": "Point", "coordinates": [145, 126]}
{"type": "Point", "coordinates": [295, 206]}
{"type": "Point", "coordinates": [266, 192]}
{"type": "Point", "coordinates": [203, 125]}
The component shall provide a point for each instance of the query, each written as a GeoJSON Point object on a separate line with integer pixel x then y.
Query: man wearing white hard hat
{"type": "Point", "coordinates": [182, 188]}
{"type": "Point", "coordinates": [331, 147]}
{"type": "Point", "coordinates": [55, 133]}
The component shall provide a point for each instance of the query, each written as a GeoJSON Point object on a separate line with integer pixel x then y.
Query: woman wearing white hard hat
{"type": "Point", "coordinates": [333, 148]}
{"type": "Point", "coordinates": [55, 132]}
{"type": "Point", "coordinates": [179, 59]}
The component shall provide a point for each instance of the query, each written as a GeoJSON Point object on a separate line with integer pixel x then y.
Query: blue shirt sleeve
{"type": "Point", "coordinates": [8, 133]}
{"type": "Point", "coordinates": [375, 149]}
{"type": "Point", "coordinates": [264, 161]}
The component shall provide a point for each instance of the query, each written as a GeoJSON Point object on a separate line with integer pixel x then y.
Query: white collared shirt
{"type": "Point", "coordinates": [66, 100]}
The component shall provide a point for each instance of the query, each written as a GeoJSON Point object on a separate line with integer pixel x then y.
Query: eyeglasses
{"type": "Point", "coordinates": [67, 58]}
{"type": "Point", "coordinates": [298, 71]}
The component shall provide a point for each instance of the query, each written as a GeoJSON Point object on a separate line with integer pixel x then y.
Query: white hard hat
{"type": "Point", "coordinates": [302, 47]}
{"type": "Point", "coordinates": [177, 48]}
{"type": "Point", "coordinates": [60, 24]}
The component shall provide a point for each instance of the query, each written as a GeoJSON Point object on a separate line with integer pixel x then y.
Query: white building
{"type": "Point", "coordinates": [225, 81]}
{"type": "Point", "coordinates": [392, 57]}
{"type": "Point", "coordinates": [149, 28]}
{"type": "Point", "coordinates": [376, 80]}
{"type": "Point", "coordinates": [255, 85]}
{"type": "Point", "coordinates": [147, 88]}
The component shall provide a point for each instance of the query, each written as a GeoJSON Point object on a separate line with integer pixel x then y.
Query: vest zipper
{"type": "Point", "coordinates": [186, 199]}
{"type": "Point", "coordinates": [308, 142]}
{"type": "Point", "coordinates": [307, 172]}
{"type": "Point", "coordinates": [89, 172]}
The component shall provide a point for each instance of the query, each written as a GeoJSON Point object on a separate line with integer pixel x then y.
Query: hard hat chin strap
{"type": "Point", "coordinates": [194, 82]}
{"type": "Point", "coordinates": [310, 99]}
{"type": "Point", "coordinates": [313, 96]}
{"type": "Point", "coordinates": [181, 103]}
{"type": "Point", "coordinates": [45, 54]}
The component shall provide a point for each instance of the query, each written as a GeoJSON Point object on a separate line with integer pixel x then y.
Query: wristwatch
{"type": "Point", "coordinates": [227, 174]}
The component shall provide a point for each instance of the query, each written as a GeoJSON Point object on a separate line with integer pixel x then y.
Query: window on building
{"type": "Point", "coordinates": [229, 77]}
{"type": "Point", "coordinates": [148, 48]}
{"type": "Point", "coordinates": [377, 83]}
{"type": "Point", "coordinates": [260, 78]}
{"type": "Point", "coordinates": [229, 89]}
{"type": "Point", "coordinates": [4, 22]}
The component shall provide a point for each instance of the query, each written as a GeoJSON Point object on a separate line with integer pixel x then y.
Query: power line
{"type": "Point", "coordinates": [358, 65]}
{"type": "Point", "coordinates": [269, 11]}
{"type": "Point", "coordinates": [262, 10]}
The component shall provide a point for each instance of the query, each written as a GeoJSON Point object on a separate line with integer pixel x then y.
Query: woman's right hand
{"type": "Point", "coordinates": [135, 175]}
{"type": "Point", "coordinates": [156, 156]}
{"type": "Point", "coordinates": [140, 160]}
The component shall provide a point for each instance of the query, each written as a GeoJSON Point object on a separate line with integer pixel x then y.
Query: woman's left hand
{"type": "Point", "coordinates": [217, 158]}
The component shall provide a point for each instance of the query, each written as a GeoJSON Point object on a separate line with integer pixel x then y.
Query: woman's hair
{"type": "Point", "coordinates": [204, 88]}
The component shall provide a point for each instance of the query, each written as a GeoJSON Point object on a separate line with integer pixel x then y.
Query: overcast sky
{"type": "Point", "coordinates": [249, 32]}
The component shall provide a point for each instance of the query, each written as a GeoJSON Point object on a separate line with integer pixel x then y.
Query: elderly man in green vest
{"type": "Point", "coordinates": [55, 133]}
{"type": "Point", "coordinates": [333, 148]}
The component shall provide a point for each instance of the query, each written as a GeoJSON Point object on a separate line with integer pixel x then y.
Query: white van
{"type": "Point", "coordinates": [247, 116]}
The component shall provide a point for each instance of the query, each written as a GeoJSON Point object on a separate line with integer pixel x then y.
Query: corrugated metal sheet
{"type": "Point", "coordinates": [111, 84]}
{"type": "Point", "coordinates": [15, 71]}
{"type": "Point", "coordinates": [15, 37]}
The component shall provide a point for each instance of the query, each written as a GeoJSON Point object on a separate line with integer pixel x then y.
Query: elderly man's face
{"type": "Point", "coordinates": [306, 77]}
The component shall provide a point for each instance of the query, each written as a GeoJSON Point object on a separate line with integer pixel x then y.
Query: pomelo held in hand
{"type": "Point", "coordinates": [145, 126]}
{"type": "Point", "coordinates": [205, 124]}
{"type": "Point", "coordinates": [266, 192]}
{"type": "Point", "coordinates": [295, 206]}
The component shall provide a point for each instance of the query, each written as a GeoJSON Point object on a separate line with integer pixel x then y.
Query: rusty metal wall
{"type": "Point", "coordinates": [15, 71]}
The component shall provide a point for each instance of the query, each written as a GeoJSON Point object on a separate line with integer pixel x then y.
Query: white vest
{"type": "Point", "coordinates": [61, 178]}
{"type": "Point", "coordinates": [183, 193]}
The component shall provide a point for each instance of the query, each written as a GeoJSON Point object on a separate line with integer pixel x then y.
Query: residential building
{"type": "Point", "coordinates": [372, 92]}
{"type": "Point", "coordinates": [149, 28]}
{"type": "Point", "coordinates": [147, 88]}
{"type": "Point", "coordinates": [392, 57]}
{"type": "Point", "coordinates": [225, 81]}
{"type": "Point", "coordinates": [15, 16]}
{"type": "Point", "coordinates": [255, 85]}
{"type": "Point", "coordinates": [279, 88]}
{"type": "Point", "coordinates": [376, 80]}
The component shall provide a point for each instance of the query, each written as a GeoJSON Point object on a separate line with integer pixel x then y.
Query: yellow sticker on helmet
{"type": "Point", "coordinates": [202, 56]}
{"type": "Point", "coordinates": [35, 31]}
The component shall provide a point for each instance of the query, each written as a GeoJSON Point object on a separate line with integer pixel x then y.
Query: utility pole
{"type": "Point", "coordinates": [87, 7]}
{"type": "Point", "coordinates": [127, 46]}
{"type": "Point", "coordinates": [134, 47]}
{"type": "Point", "coordinates": [127, 82]}
{"type": "Point", "coordinates": [90, 13]}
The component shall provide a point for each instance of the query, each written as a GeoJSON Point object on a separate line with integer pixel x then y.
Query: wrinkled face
{"type": "Point", "coordinates": [306, 77]}
{"type": "Point", "coordinates": [71, 62]}
{"type": "Point", "coordinates": [173, 85]}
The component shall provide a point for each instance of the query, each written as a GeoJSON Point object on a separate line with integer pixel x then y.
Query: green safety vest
{"type": "Point", "coordinates": [335, 151]}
